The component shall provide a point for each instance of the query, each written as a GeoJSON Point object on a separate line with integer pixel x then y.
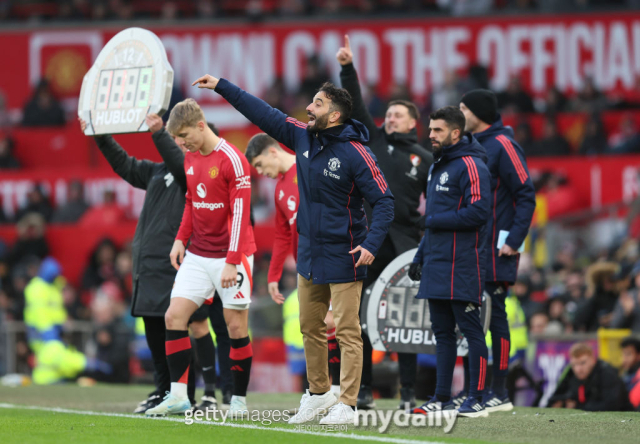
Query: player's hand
{"type": "Point", "coordinates": [229, 277]}
{"type": "Point", "coordinates": [83, 124]}
{"type": "Point", "coordinates": [206, 81]}
{"type": "Point", "coordinates": [366, 258]}
{"type": "Point", "coordinates": [154, 122]}
{"type": "Point", "coordinates": [506, 250]}
{"type": "Point", "coordinates": [344, 55]}
{"type": "Point", "coordinates": [274, 291]}
{"type": "Point", "coordinates": [177, 254]}
{"type": "Point", "coordinates": [415, 271]}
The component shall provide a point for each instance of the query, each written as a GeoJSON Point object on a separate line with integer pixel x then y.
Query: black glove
{"type": "Point", "coordinates": [415, 271]}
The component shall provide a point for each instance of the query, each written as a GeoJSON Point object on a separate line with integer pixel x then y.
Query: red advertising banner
{"type": "Point", "coordinates": [542, 50]}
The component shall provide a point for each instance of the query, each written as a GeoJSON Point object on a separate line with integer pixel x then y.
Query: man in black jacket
{"type": "Point", "coordinates": [590, 384]}
{"type": "Point", "coordinates": [153, 275]}
{"type": "Point", "coordinates": [405, 164]}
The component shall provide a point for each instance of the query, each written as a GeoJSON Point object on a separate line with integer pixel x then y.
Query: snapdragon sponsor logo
{"type": "Point", "coordinates": [207, 205]}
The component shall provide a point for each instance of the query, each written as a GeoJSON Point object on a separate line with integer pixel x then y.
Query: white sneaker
{"type": "Point", "coordinates": [336, 390]}
{"type": "Point", "coordinates": [340, 413]}
{"type": "Point", "coordinates": [313, 406]}
{"type": "Point", "coordinates": [238, 408]}
{"type": "Point", "coordinates": [170, 406]}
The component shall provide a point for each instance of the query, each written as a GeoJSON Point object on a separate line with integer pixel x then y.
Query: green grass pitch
{"type": "Point", "coordinates": [68, 414]}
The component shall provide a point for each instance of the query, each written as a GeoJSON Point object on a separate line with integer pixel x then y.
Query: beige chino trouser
{"type": "Point", "coordinates": [314, 305]}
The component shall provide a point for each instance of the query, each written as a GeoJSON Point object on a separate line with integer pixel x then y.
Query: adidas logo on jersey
{"type": "Point", "coordinates": [469, 308]}
{"type": "Point", "coordinates": [190, 171]}
{"type": "Point", "coordinates": [239, 296]}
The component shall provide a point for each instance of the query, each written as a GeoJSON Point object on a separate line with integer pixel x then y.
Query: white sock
{"type": "Point", "coordinates": [239, 398]}
{"type": "Point", "coordinates": [335, 389]}
{"type": "Point", "coordinates": [179, 390]}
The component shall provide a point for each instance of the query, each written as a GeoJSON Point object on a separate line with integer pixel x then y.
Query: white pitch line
{"type": "Point", "coordinates": [381, 438]}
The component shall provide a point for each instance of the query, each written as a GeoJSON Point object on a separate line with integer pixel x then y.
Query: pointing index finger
{"type": "Point", "coordinates": [346, 41]}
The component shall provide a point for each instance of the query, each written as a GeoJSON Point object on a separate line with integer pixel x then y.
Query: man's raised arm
{"type": "Point", "coordinates": [274, 122]}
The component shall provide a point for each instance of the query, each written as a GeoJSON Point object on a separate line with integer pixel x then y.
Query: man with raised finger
{"type": "Point", "coordinates": [336, 173]}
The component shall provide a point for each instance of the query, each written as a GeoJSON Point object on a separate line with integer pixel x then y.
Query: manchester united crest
{"type": "Point", "coordinates": [213, 172]}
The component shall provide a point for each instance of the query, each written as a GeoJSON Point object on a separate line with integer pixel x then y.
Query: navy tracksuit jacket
{"type": "Point", "coordinates": [513, 199]}
{"type": "Point", "coordinates": [336, 171]}
{"type": "Point", "coordinates": [453, 249]}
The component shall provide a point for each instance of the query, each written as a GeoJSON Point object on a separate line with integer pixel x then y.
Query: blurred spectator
{"type": "Point", "coordinates": [591, 384]}
{"type": "Point", "coordinates": [36, 203]}
{"type": "Point", "coordinates": [314, 77]}
{"type": "Point", "coordinates": [627, 139]}
{"type": "Point", "coordinates": [630, 358]}
{"type": "Point", "coordinates": [558, 322]}
{"type": "Point", "coordinates": [124, 267]}
{"type": "Point", "coordinates": [515, 99]}
{"type": "Point", "coordinates": [31, 241]}
{"type": "Point", "coordinates": [589, 100]}
{"type": "Point", "coordinates": [120, 10]}
{"type": "Point", "coordinates": [555, 102]}
{"type": "Point", "coordinates": [552, 142]}
{"type": "Point", "coordinates": [111, 335]}
{"type": "Point", "coordinates": [626, 313]}
{"type": "Point", "coordinates": [447, 94]}
{"type": "Point", "coordinates": [5, 118]}
{"type": "Point", "coordinates": [7, 161]}
{"type": "Point", "coordinates": [466, 7]}
{"type": "Point", "coordinates": [291, 7]}
{"type": "Point", "coordinates": [43, 109]}
{"type": "Point", "coordinates": [400, 91]}
{"type": "Point", "coordinates": [205, 9]}
{"type": "Point", "coordinates": [75, 10]}
{"type": "Point", "coordinates": [98, 11]}
{"type": "Point", "coordinates": [538, 323]}
{"type": "Point", "coordinates": [169, 11]}
{"type": "Point", "coordinates": [75, 206]}
{"type": "Point", "coordinates": [375, 105]}
{"type": "Point", "coordinates": [73, 306]}
{"type": "Point", "coordinates": [595, 138]}
{"type": "Point", "coordinates": [107, 213]}
{"type": "Point", "coordinates": [101, 266]}
{"type": "Point", "coordinates": [631, 369]}
{"type": "Point", "coordinates": [597, 309]}
{"type": "Point", "coordinates": [523, 136]}
{"type": "Point", "coordinates": [331, 7]}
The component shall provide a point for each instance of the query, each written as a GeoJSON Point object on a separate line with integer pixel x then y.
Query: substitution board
{"type": "Point", "coordinates": [396, 321]}
{"type": "Point", "coordinates": [130, 78]}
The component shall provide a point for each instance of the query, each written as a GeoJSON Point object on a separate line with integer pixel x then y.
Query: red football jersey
{"type": "Point", "coordinates": [216, 212]}
{"type": "Point", "coordinates": [286, 235]}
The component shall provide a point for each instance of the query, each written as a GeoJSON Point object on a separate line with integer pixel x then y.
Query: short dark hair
{"type": "Point", "coordinates": [340, 99]}
{"type": "Point", "coordinates": [453, 117]}
{"type": "Point", "coordinates": [631, 342]}
{"type": "Point", "coordinates": [257, 145]}
{"type": "Point", "coordinates": [411, 107]}
{"type": "Point", "coordinates": [213, 128]}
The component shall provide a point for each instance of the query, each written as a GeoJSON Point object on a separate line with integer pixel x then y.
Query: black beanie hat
{"type": "Point", "coordinates": [483, 103]}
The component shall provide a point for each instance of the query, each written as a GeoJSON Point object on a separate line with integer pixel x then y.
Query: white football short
{"type": "Point", "coordinates": [200, 277]}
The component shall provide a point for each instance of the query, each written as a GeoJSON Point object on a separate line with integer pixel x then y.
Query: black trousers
{"type": "Point", "coordinates": [408, 362]}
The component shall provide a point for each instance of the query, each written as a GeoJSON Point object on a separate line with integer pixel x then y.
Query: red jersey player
{"type": "Point", "coordinates": [219, 257]}
{"type": "Point", "coordinates": [270, 160]}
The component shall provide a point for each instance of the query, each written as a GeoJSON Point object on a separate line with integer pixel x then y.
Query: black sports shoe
{"type": "Point", "coordinates": [226, 398]}
{"type": "Point", "coordinates": [152, 401]}
{"type": "Point", "coordinates": [365, 398]}
{"type": "Point", "coordinates": [407, 399]}
{"type": "Point", "coordinates": [208, 403]}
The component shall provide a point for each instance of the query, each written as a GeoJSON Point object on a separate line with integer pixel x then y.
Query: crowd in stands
{"type": "Point", "coordinates": [105, 10]}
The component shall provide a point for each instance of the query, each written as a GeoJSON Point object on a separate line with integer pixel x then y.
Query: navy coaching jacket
{"type": "Point", "coordinates": [453, 249]}
{"type": "Point", "coordinates": [513, 199]}
{"type": "Point", "coordinates": [336, 171]}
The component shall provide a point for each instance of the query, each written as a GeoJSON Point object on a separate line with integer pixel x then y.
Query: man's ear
{"type": "Point", "coordinates": [334, 117]}
{"type": "Point", "coordinates": [412, 124]}
{"type": "Point", "coordinates": [458, 135]}
{"type": "Point", "coordinates": [201, 125]}
{"type": "Point", "coordinates": [272, 150]}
